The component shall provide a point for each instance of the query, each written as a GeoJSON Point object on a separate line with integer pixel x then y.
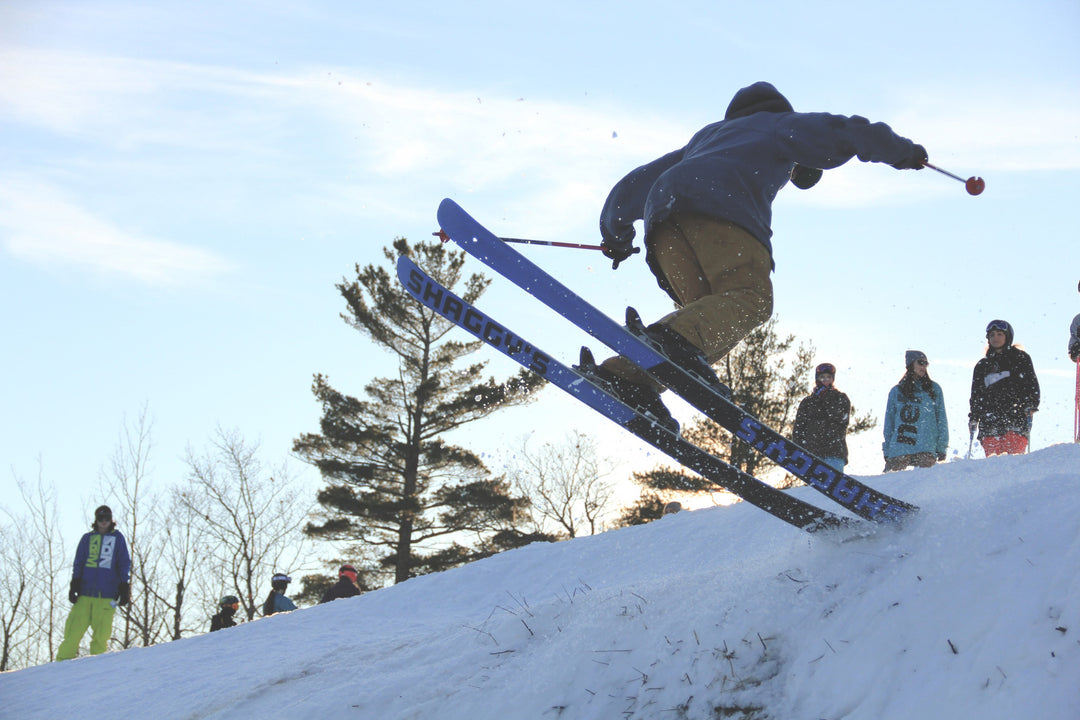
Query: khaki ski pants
{"type": "Point", "coordinates": [720, 273]}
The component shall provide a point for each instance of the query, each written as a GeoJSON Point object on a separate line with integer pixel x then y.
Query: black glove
{"type": "Point", "coordinates": [941, 457]}
{"type": "Point", "coordinates": [125, 594]}
{"type": "Point", "coordinates": [804, 177]}
{"type": "Point", "coordinates": [618, 247]}
{"type": "Point", "coordinates": [1074, 350]}
{"type": "Point", "coordinates": [973, 425]}
{"type": "Point", "coordinates": [73, 593]}
{"type": "Point", "coordinates": [914, 161]}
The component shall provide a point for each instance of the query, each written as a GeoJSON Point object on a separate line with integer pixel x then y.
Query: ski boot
{"type": "Point", "coordinates": [676, 348]}
{"type": "Point", "coordinates": [642, 398]}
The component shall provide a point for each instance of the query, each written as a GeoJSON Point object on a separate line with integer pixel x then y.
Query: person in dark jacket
{"type": "Point", "coordinates": [100, 582]}
{"type": "Point", "coordinates": [707, 212]}
{"type": "Point", "coordinates": [1074, 336]}
{"type": "Point", "coordinates": [276, 601]}
{"type": "Point", "coordinates": [227, 608]}
{"type": "Point", "coordinates": [916, 428]}
{"type": "Point", "coordinates": [345, 586]}
{"type": "Point", "coordinates": [821, 422]}
{"type": "Point", "coordinates": [1004, 394]}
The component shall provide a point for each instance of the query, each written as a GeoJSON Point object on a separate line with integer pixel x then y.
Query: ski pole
{"type": "Point", "coordinates": [971, 443]}
{"type": "Point", "coordinates": [974, 185]}
{"type": "Point", "coordinates": [444, 237]}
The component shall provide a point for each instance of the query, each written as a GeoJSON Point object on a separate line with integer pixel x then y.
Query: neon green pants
{"type": "Point", "coordinates": [87, 612]}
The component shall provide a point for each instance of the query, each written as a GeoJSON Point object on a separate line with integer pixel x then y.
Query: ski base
{"type": "Point", "coordinates": [786, 507]}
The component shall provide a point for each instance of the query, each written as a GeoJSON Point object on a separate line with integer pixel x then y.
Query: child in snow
{"type": "Point", "coordinates": [227, 608]}
{"type": "Point", "coordinates": [276, 601]}
{"type": "Point", "coordinates": [345, 587]}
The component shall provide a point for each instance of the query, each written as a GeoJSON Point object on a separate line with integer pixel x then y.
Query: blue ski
{"type": "Point", "coordinates": [797, 512]}
{"type": "Point", "coordinates": [850, 493]}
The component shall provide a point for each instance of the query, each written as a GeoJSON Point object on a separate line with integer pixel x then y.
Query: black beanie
{"type": "Point", "coordinates": [759, 97]}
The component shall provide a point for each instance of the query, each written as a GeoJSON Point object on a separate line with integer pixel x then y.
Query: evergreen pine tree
{"type": "Point", "coordinates": [397, 489]}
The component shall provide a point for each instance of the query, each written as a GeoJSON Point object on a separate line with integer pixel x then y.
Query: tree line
{"type": "Point", "coordinates": [399, 498]}
{"type": "Point", "coordinates": [221, 530]}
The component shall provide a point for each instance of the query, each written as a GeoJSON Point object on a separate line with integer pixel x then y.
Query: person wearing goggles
{"type": "Point", "coordinates": [100, 582]}
{"type": "Point", "coordinates": [1004, 394]}
{"type": "Point", "coordinates": [916, 428]}
{"type": "Point", "coordinates": [227, 608]}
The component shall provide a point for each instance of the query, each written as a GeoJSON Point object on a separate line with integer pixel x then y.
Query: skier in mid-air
{"type": "Point", "coordinates": [707, 209]}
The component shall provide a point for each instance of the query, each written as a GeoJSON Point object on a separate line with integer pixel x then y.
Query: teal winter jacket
{"type": "Point", "coordinates": [914, 425]}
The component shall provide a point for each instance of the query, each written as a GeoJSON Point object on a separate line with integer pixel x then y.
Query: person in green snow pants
{"type": "Point", "coordinates": [100, 582]}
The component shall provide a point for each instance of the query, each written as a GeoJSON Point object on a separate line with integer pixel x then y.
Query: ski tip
{"type": "Point", "coordinates": [448, 205]}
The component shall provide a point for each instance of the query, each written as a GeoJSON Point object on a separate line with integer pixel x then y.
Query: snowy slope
{"type": "Point", "coordinates": [970, 611]}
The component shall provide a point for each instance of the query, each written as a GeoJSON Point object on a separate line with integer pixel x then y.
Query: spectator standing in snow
{"type": "Point", "coordinates": [1004, 394]}
{"type": "Point", "coordinates": [1074, 355]}
{"type": "Point", "coordinates": [1074, 336]}
{"type": "Point", "coordinates": [100, 581]}
{"type": "Point", "coordinates": [821, 422]}
{"type": "Point", "coordinates": [276, 601]}
{"type": "Point", "coordinates": [345, 586]}
{"type": "Point", "coordinates": [916, 429]}
{"type": "Point", "coordinates": [226, 609]}
{"type": "Point", "coordinates": [707, 212]}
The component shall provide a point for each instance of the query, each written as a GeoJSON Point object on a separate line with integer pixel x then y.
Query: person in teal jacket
{"type": "Point", "coordinates": [916, 429]}
{"type": "Point", "coordinates": [100, 581]}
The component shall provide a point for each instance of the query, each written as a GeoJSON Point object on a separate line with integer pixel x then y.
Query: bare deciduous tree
{"type": "Point", "coordinates": [15, 597]}
{"type": "Point", "coordinates": [35, 576]}
{"type": "Point", "coordinates": [187, 594]}
{"type": "Point", "coordinates": [565, 483]}
{"type": "Point", "coordinates": [253, 518]}
{"type": "Point", "coordinates": [128, 479]}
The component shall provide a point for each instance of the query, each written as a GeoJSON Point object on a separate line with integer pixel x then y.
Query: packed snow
{"type": "Point", "coordinates": [971, 610]}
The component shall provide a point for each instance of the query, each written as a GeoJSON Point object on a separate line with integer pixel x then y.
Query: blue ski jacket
{"type": "Point", "coordinates": [276, 603]}
{"type": "Point", "coordinates": [732, 170]}
{"type": "Point", "coordinates": [102, 562]}
{"type": "Point", "coordinates": [917, 424]}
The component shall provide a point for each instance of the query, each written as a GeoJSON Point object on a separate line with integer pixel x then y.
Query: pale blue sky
{"type": "Point", "coordinates": [182, 183]}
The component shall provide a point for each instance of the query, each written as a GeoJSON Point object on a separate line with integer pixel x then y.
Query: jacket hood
{"type": "Point", "coordinates": [759, 97]}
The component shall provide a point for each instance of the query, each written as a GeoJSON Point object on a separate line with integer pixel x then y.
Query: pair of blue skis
{"type": "Point", "coordinates": [479, 242]}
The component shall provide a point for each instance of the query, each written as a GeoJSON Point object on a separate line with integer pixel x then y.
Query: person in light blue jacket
{"type": "Point", "coordinates": [276, 601]}
{"type": "Point", "coordinates": [916, 429]}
